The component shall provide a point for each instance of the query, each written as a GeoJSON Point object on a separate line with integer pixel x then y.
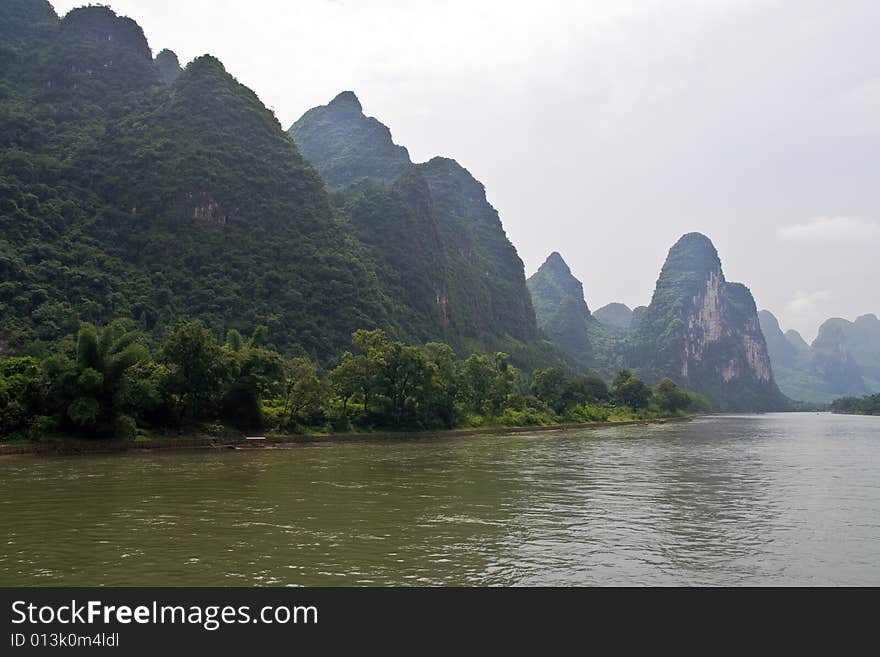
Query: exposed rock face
{"type": "Point", "coordinates": [616, 318]}
{"type": "Point", "coordinates": [565, 318]}
{"type": "Point", "coordinates": [344, 144]}
{"type": "Point", "coordinates": [704, 332]}
{"type": "Point", "coordinates": [439, 242]}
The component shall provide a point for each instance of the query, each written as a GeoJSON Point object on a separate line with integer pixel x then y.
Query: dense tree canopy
{"type": "Point", "coordinates": [867, 405]}
{"type": "Point", "coordinates": [112, 381]}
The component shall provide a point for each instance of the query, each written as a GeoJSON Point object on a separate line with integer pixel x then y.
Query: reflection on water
{"type": "Point", "coordinates": [773, 499]}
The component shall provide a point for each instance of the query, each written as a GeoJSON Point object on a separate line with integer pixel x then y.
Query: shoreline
{"type": "Point", "coordinates": [71, 447]}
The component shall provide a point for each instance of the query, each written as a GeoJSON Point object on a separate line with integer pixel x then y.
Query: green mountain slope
{"type": "Point", "coordinates": [121, 195]}
{"type": "Point", "coordinates": [439, 246]}
{"type": "Point", "coordinates": [565, 318]}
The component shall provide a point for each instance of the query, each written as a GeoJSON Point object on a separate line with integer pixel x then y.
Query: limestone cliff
{"type": "Point", "coordinates": [704, 332]}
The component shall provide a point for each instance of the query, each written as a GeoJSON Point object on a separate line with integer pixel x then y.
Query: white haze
{"type": "Point", "coordinates": [605, 129]}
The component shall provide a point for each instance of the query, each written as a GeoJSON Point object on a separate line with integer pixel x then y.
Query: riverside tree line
{"type": "Point", "coordinates": [109, 382]}
{"type": "Point", "coordinates": [867, 405]}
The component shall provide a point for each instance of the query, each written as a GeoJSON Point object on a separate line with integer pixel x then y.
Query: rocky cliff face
{"type": "Point", "coordinates": [437, 240]}
{"type": "Point", "coordinates": [565, 318]}
{"type": "Point", "coordinates": [704, 332]}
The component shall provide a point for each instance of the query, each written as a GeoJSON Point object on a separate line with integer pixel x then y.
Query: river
{"type": "Point", "coordinates": [771, 499]}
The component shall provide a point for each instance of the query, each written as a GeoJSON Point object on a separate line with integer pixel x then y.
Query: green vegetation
{"type": "Point", "coordinates": [844, 360]}
{"type": "Point", "coordinates": [867, 405]}
{"type": "Point", "coordinates": [563, 315]}
{"type": "Point", "coordinates": [132, 188]}
{"type": "Point", "coordinates": [114, 382]}
{"type": "Point", "coordinates": [124, 196]}
{"type": "Point", "coordinates": [436, 244]}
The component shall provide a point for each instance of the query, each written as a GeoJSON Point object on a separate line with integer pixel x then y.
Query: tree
{"type": "Point", "coordinates": [199, 374]}
{"type": "Point", "coordinates": [669, 397]}
{"type": "Point", "coordinates": [103, 359]}
{"type": "Point", "coordinates": [256, 373]}
{"type": "Point", "coordinates": [444, 385]}
{"type": "Point", "coordinates": [404, 376]}
{"type": "Point", "coordinates": [22, 391]}
{"type": "Point", "coordinates": [631, 391]}
{"type": "Point", "coordinates": [552, 386]}
{"type": "Point", "coordinates": [305, 392]}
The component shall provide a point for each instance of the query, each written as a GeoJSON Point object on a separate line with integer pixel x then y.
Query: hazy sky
{"type": "Point", "coordinates": [606, 129]}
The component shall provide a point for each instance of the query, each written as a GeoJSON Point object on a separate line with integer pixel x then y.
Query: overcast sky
{"type": "Point", "coordinates": [606, 129]}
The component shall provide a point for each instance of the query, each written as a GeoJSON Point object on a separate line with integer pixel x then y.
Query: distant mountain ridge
{"type": "Point", "coordinates": [843, 360]}
{"type": "Point", "coordinates": [699, 330]}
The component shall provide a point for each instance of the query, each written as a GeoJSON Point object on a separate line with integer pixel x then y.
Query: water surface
{"type": "Point", "coordinates": [771, 499]}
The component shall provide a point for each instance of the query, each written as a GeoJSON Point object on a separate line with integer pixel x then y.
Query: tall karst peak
{"type": "Point", "coordinates": [565, 318]}
{"type": "Point", "coordinates": [99, 56]}
{"type": "Point", "coordinates": [705, 331]}
{"type": "Point", "coordinates": [347, 100]}
{"type": "Point", "coordinates": [103, 26]}
{"type": "Point", "coordinates": [27, 27]}
{"type": "Point", "coordinates": [693, 252]}
{"type": "Point", "coordinates": [344, 144]}
{"type": "Point", "coordinates": [555, 281]}
{"type": "Point", "coordinates": [21, 19]}
{"type": "Point", "coordinates": [556, 262]}
{"type": "Point", "coordinates": [438, 241]}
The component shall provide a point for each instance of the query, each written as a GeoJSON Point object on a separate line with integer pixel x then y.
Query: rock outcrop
{"type": "Point", "coordinates": [704, 332]}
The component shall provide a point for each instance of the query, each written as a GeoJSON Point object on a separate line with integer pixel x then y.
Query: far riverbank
{"type": "Point", "coordinates": [69, 446]}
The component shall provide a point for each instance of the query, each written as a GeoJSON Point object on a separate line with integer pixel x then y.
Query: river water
{"type": "Point", "coordinates": [764, 499]}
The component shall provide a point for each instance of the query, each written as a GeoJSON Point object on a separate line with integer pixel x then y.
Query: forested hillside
{"type": "Point", "coordinates": [437, 243]}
